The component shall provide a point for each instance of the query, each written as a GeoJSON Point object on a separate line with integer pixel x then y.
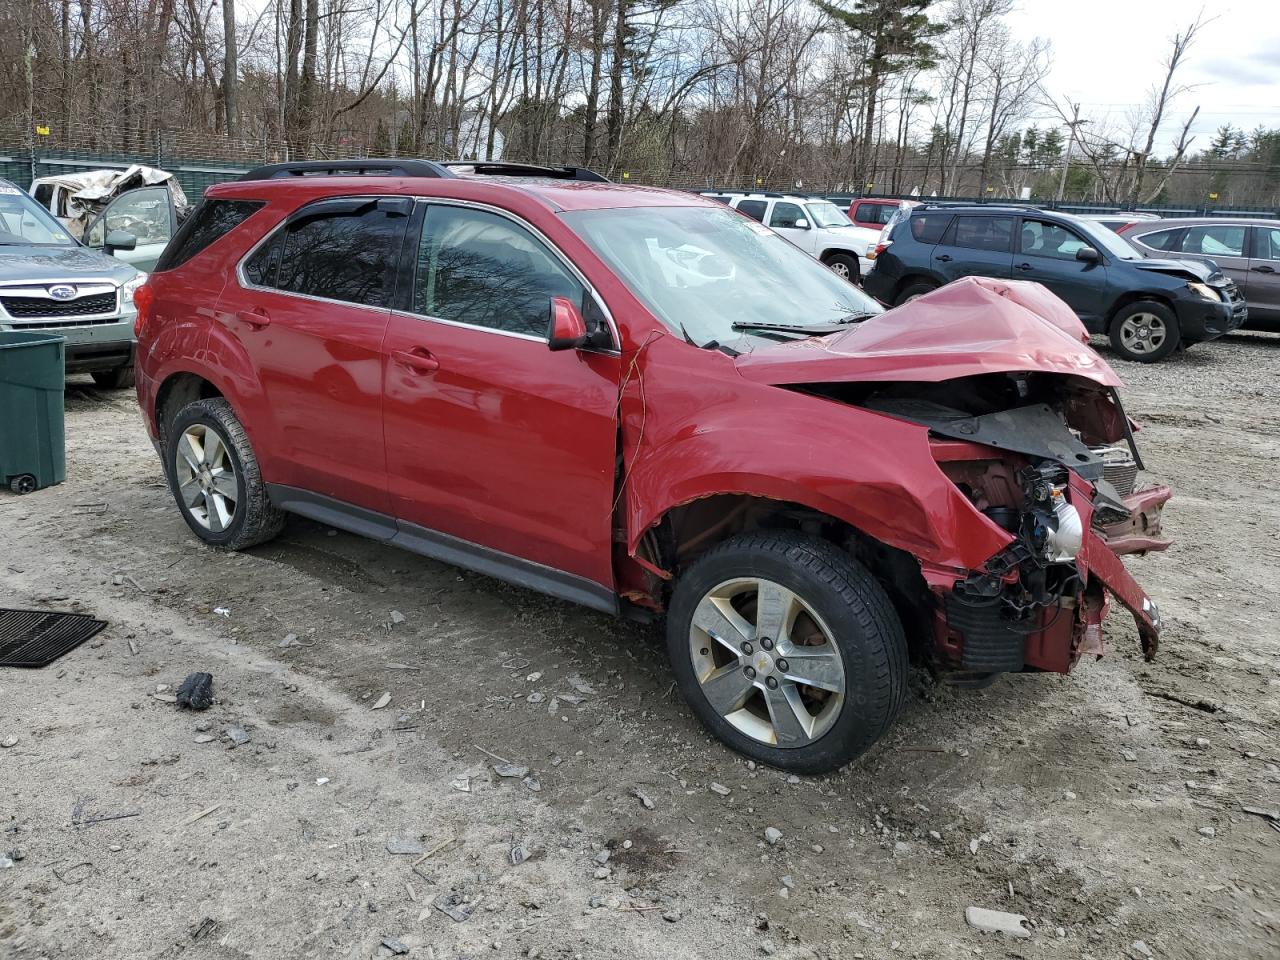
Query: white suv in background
{"type": "Point", "coordinates": [816, 226]}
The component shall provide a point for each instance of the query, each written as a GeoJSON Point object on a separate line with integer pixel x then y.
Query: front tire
{"type": "Point", "coordinates": [787, 650]}
{"type": "Point", "coordinates": [844, 266]}
{"type": "Point", "coordinates": [1145, 332]}
{"type": "Point", "coordinates": [215, 479]}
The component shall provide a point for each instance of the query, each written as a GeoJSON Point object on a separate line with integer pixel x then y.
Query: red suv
{"type": "Point", "coordinates": [640, 401]}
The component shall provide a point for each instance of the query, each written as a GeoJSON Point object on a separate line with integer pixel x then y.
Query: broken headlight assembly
{"type": "Point", "coordinates": [1204, 291]}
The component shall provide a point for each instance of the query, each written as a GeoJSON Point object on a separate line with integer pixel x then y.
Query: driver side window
{"type": "Point", "coordinates": [481, 269]}
{"type": "Point", "coordinates": [785, 215]}
{"type": "Point", "coordinates": [1041, 238]}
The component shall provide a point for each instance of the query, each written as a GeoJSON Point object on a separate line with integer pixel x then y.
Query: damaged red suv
{"type": "Point", "coordinates": [640, 401]}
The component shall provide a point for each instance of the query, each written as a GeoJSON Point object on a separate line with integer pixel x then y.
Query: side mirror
{"type": "Point", "coordinates": [1088, 254]}
{"type": "Point", "coordinates": [566, 330]}
{"type": "Point", "coordinates": [801, 224]}
{"type": "Point", "coordinates": [119, 240]}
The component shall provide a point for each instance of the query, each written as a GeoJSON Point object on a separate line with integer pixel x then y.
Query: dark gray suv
{"type": "Point", "coordinates": [1147, 306]}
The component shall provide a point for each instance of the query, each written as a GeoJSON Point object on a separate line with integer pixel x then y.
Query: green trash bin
{"type": "Point", "coordinates": [32, 441]}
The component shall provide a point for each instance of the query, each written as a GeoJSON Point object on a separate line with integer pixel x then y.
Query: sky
{"type": "Point", "coordinates": [1107, 54]}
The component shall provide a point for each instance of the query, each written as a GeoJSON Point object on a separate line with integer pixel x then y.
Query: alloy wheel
{"type": "Point", "coordinates": [766, 662]}
{"type": "Point", "coordinates": [206, 477]}
{"type": "Point", "coordinates": [840, 269]}
{"type": "Point", "coordinates": [1143, 333]}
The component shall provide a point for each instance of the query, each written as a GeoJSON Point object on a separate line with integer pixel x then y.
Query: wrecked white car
{"type": "Point", "coordinates": [146, 202]}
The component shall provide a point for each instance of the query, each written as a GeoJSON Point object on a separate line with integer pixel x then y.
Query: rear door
{"type": "Point", "coordinates": [979, 246]}
{"type": "Point", "coordinates": [1264, 275]}
{"type": "Point", "coordinates": [310, 310]}
{"type": "Point", "coordinates": [146, 213]}
{"type": "Point", "coordinates": [499, 450]}
{"type": "Point", "coordinates": [1047, 254]}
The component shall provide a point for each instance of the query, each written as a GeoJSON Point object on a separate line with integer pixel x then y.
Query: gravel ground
{"type": "Point", "coordinates": [1106, 806]}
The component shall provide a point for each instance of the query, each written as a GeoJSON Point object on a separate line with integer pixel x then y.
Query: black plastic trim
{"type": "Point", "coordinates": [444, 547]}
{"type": "Point", "coordinates": [499, 169]}
{"type": "Point", "coordinates": [348, 168]}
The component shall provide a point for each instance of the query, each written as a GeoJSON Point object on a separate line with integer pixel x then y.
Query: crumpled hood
{"type": "Point", "coordinates": [971, 326]}
{"type": "Point", "coordinates": [38, 264]}
{"type": "Point", "coordinates": [1202, 270]}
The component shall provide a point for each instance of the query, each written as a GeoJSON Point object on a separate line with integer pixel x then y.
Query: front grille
{"type": "Point", "coordinates": [1231, 292]}
{"type": "Point", "coordinates": [23, 308]}
{"type": "Point", "coordinates": [59, 324]}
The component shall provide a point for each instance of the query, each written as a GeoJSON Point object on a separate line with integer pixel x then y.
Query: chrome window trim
{"type": "Point", "coordinates": [555, 251]}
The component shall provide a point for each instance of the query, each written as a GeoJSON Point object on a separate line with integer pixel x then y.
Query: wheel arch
{"type": "Point", "coordinates": [911, 278]}
{"type": "Point", "coordinates": [1129, 298]}
{"type": "Point", "coordinates": [174, 393]}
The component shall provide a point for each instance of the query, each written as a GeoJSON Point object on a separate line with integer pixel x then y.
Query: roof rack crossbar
{"type": "Point", "coordinates": [501, 168]}
{"type": "Point", "coordinates": [394, 167]}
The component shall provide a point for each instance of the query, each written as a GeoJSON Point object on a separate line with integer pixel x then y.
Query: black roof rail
{"type": "Point", "coordinates": [393, 167]}
{"type": "Point", "coordinates": [976, 205]}
{"type": "Point", "coordinates": [499, 168]}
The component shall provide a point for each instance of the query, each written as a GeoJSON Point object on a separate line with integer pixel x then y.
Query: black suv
{"type": "Point", "coordinates": [1148, 307]}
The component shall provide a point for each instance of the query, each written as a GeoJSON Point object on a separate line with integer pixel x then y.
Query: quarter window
{"type": "Point", "coordinates": [1215, 241]}
{"type": "Point", "coordinates": [983, 233]}
{"type": "Point", "coordinates": [1160, 240]}
{"type": "Point", "coordinates": [348, 256]}
{"type": "Point", "coordinates": [211, 220]}
{"type": "Point", "coordinates": [479, 268]}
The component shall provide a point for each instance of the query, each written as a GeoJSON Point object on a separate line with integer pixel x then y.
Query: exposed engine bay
{"type": "Point", "coordinates": [1050, 459]}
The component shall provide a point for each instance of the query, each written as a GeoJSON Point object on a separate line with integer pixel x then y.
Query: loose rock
{"type": "Point", "coordinates": [772, 835]}
{"type": "Point", "coordinates": [996, 921]}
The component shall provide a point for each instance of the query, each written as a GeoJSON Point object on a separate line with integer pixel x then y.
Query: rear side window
{"type": "Point", "coordinates": [349, 256]}
{"type": "Point", "coordinates": [982, 233]}
{"type": "Point", "coordinates": [753, 209]}
{"type": "Point", "coordinates": [1160, 240]}
{"type": "Point", "coordinates": [929, 227]}
{"type": "Point", "coordinates": [875, 213]}
{"type": "Point", "coordinates": [213, 219]}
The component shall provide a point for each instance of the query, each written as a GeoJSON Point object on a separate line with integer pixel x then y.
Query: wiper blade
{"type": "Point", "coordinates": [830, 326]}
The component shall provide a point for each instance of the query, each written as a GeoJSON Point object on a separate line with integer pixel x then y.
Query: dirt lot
{"type": "Point", "coordinates": [1105, 806]}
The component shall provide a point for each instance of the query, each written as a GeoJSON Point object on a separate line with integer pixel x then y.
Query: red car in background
{"type": "Point", "coordinates": [643, 402]}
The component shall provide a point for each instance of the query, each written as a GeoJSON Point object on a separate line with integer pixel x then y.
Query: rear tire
{"type": "Point", "coordinates": [844, 265]}
{"type": "Point", "coordinates": [117, 378]}
{"type": "Point", "coordinates": [215, 479]}
{"type": "Point", "coordinates": [1145, 332]}
{"type": "Point", "coordinates": [860, 663]}
{"type": "Point", "coordinates": [913, 290]}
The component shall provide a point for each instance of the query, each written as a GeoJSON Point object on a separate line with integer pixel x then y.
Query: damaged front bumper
{"type": "Point", "coordinates": [1019, 615]}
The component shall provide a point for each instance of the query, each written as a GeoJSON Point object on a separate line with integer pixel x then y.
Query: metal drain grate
{"type": "Point", "coordinates": [36, 638]}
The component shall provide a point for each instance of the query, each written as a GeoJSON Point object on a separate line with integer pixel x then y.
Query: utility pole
{"type": "Point", "coordinates": [1073, 123]}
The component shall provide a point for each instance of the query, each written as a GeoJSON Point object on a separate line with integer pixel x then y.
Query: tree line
{"type": "Point", "coordinates": [885, 96]}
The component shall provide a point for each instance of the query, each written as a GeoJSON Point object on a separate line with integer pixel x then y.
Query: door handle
{"type": "Point", "coordinates": [1022, 266]}
{"type": "Point", "coordinates": [1265, 269]}
{"type": "Point", "coordinates": [256, 318]}
{"type": "Point", "coordinates": [418, 360]}
{"type": "Point", "coordinates": [944, 258]}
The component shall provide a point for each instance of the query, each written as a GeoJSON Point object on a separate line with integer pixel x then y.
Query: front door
{"type": "Point", "coordinates": [147, 214]}
{"type": "Point", "coordinates": [790, 221]}
{"type": "Point", "coordinates": [975, 247]}
{"type": "Point", "coordinates": [310, 314]}
{"type": "Point", "coordinates": [1047, 254]}
{"type": "Point", "coordinates": [493, 440]}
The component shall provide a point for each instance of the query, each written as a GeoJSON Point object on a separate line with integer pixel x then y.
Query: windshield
{"type": "Point", "coordinates": [827, 215]}
{"type": "Point", "coordinates": [1103, 238]}
{"type": "Point", "coordinates": [701, 270]}
{"type": "Point", "coordinates": [23, 222]}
